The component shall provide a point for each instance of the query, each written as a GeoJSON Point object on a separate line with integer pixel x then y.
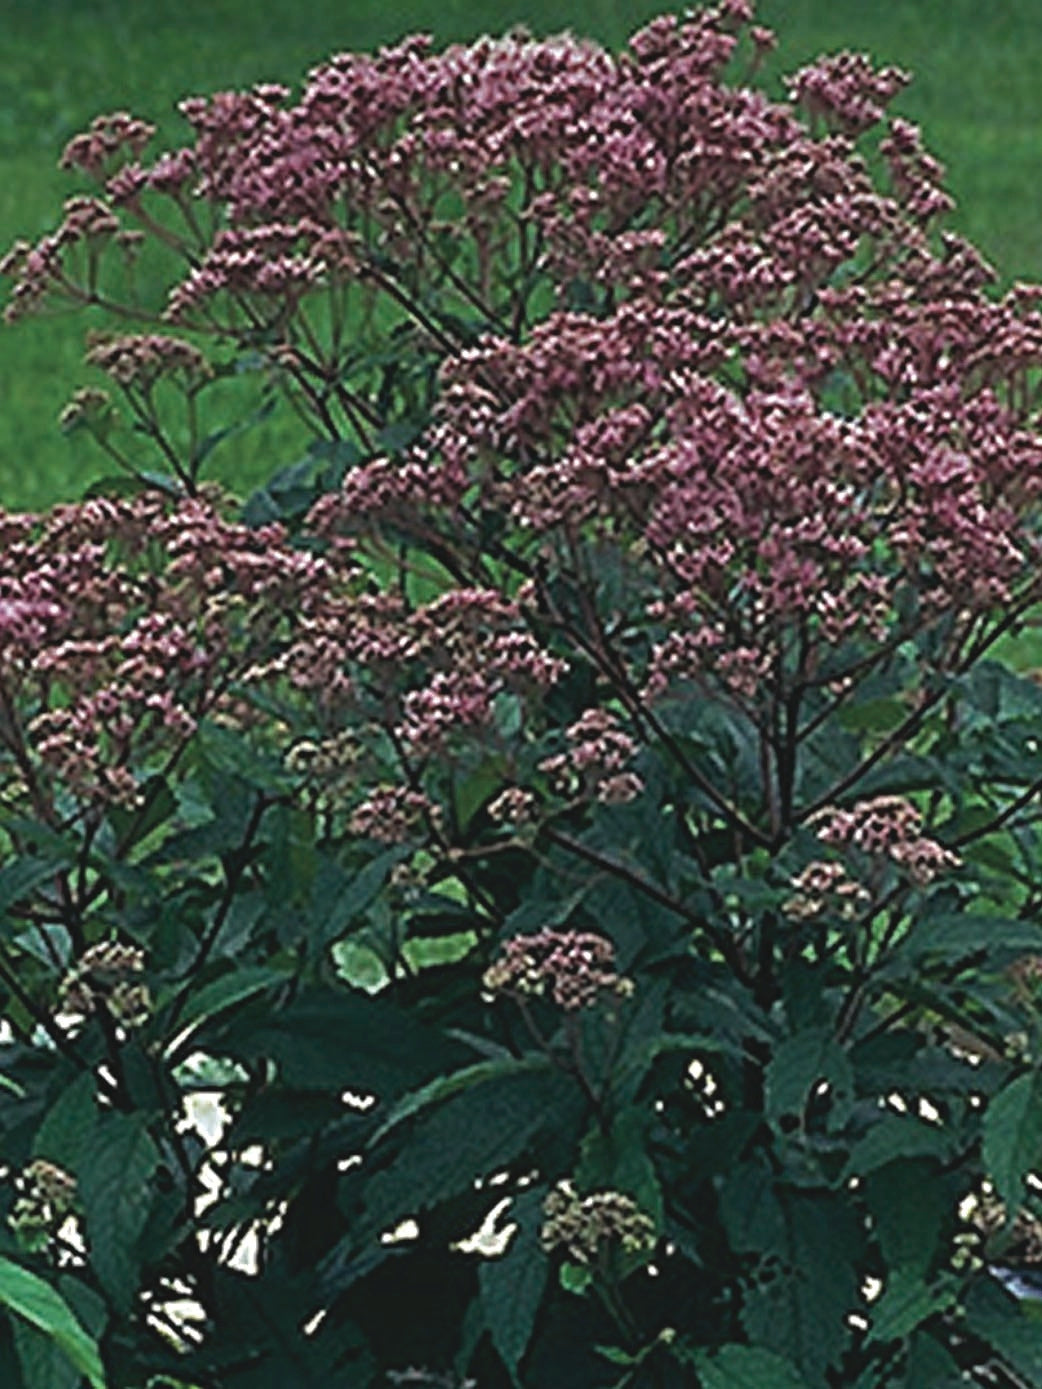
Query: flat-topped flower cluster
{"type": "Point", "coordinates": [605, 691]}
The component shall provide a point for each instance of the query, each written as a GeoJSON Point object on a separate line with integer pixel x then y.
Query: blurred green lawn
{"type": "Point", "coordinates": [976, 93]}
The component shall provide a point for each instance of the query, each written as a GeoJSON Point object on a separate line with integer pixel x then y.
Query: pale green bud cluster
{"type": "Point", "coordinates": [583, 1225]}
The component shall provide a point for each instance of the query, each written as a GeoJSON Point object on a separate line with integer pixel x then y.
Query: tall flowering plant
{"type": "Point", "coordinates": [545, 892]}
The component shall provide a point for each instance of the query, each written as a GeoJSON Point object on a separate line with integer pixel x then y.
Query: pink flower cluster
{"type": "Point", "coordinates": [574, 969]}
{"type": "Point", "coordinates": [109, 138]}
{"type": "Point", "coordinates": [825, 887]}
{"type": "Point", "coordinates": [122, 624]}
{"type": "Point", "coordinates": [431, 673]}
{"type": "Point", "coordinates": [596, 761]}
{"type": "Point", "coordinates": [277, 261]}
{"type": "Point", "coordinates": [889, 827]}
{"type": "Point", "coordinates": [847, 91]}
{"type": "Point", "coordinates": [392, 815]}
{"type": "Point", "coordinates": [89, 225]}
{"type": "Point", "coordinates": [141, 359]}
{"type": "Point", "coordinates": [713, 406]}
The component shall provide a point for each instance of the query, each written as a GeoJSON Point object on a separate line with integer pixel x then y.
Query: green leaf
{"type": "Point", "coordinates": [618, 1161]}
{"type": "Point", "coordinates": [874, 715]}
{"type": "Point", "coordinates": [472, 791]}
{"type": "Point", "coordinates": [470, 1136]}
{"type": "Point", "coordinates": [219, 995]}
{"type": "Point", "coordinates": [132, 825]}
{"type": "Point", "coordinates": [512, 1286]}
{"type": "Point", "coordinates": [23, 876]}
{"type": "Point", "coordinates": [334, 911]}
{"type": "Point", "coordinates": [1013, 1137]}
{"type": "Point", "coordinates": [907, 1301]}
{"type": "Point", "coordinates": [800, 1064]}
{"type": "Point", "coordinates": [332, 1038]}
{"type": "Point", "coordinates": [954, 937]}
{"type": "Point", "coordinates": [42, 1306]}
{"type": "Point", "coordinates": [802, 1295]}
{"type": "Point", "coordinates": [747, 1367]}
{"type": "Point", "coordinates": [292, 490]}
{"type": "Point", "coordinates": [44, 1364]}
{"type": "Point", "coordinates": [750, 1209]}
{"type": "Point", "coordinates": [115, 1183]}
{"type": "Point", "coordinates": [229, 752]}
{"type": "Point", "coordinates": [997, 1318]}
{"type": "Point", "coordinates": [360, 966]}
{"type": "Point", "coordinates": [909, 1203]}
{"type": "Point", "coordinates": [444, 1087]}
{"type": "Point", "coordinates": [930, 1366]}
{"type": "Point", "coordinates": [574, 1278]}
{"type": "Point", "coordinates": [896, 1136]}
{"type": "Point", "coordinates": [67, 1131]}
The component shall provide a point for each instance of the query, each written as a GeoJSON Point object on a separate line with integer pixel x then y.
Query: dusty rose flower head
{"type": "Point", "coordinates": [888, 827]}
{"type": "Point", "coordinates": [822, 887]}
{"type": "Point", "coordinates": [596, 760]}
{"type": "Point", "coordinates": [847, 90]}
{"type": "Point", "coordinates": [514, 806]}
{"type": "Point", "coordinates": [574, 969]}
{"type": "Point", "coordinates": [108, 138]}
{"type": "Point", "coordinates": [141, 359]}
{"type": "Point", "coordinates": [394, 815]}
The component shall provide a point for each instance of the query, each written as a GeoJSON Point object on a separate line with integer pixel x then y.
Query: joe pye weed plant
{"type": "Point", "coordinates": [583, 801]}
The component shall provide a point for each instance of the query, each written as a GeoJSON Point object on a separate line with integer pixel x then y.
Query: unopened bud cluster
{"type": "Point", "coordinates": [583, 1225]}
{"type": "Point", "coordinates": [393, 815]}
{"type": "Point", "coordinates": [89, 406]}
{"type": "Point", "coordinates": [596, 762]}
{"type": "Point", "coordinates": [889, 827]}
{"type": "Point", "coordinates": [46, 1195]}
{"type": "Point", "coordinates": [330, 768]}
{"type": "Point", "coordinates": [991, 1235]}
{"type": "Point", "coordinates": [112, 975]}
{"type": "Point", "coordinates": [1025, 975]}
{"type": "Point", "coordinates": [140, 359]}
{"type": "Point", "coordinates": [515, 807]}
{"type": "Point", "coordinates": [825, 888]}
{"type": "Point", "coordinates": [574, 969]}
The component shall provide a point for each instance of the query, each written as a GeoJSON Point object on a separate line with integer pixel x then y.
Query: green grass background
{"type": "Point", "coordinates": [977, 94]}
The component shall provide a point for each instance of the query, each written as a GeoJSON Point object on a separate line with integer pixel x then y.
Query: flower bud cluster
{"type": "Point", "coordinates": [122, 624]}
{"type": "Point", "coordinates": [889, 827]}
{"type": "Point", "coordinates": [329, 768]}
{"type": "Point", "coordinates": [89, 406]}
{"type": "Point", "coordinates": [141, 359]}
{"type": "Point", "coordinates": [625, 419]}
{"type": "Point", "coordinates": [515, 806]}
{"type": "Point", "coordinates": [597, 761]}
{"type": "Point", "coordinates": [847, 91]}
{"type": "Point", "coordinates": [109, 975]}
{"type": "Point", "coordinates": [46, 1197]}
{"type": "Point", "coordinates": [108, 138]}
{"type": "Point", "coordinates": [574, 969]}
{"type": "Point", "coordinates": [88, 224]}
{"type": "Point", "coordinates": [393, 815]}
{"type": "Point", "coordinates": [1025, 974]}
{"type": "Point", "coordinates": [583, 1226]}
{"type": "Point", "coordinates": [990, 1230]}
{"type": "Point", "coordinates": [825, 888]}
{"type": "Point", "coordinates": [445, 662]}
{"type": "Point", "coordinates": [277, 261]}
